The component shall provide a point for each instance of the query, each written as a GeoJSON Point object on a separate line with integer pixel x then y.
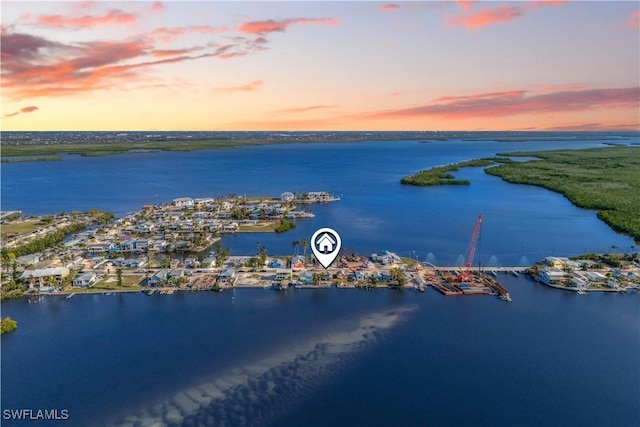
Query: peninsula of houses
{"type": "Point", "coordinates": [175, 246]}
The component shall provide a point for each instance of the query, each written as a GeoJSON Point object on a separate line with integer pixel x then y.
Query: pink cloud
{"type": "Point", "coordinates": [504, 104]}
{"type": "Point", "coordinates": [157, 7]}
{"type": "Point", "coordinates": [34, 66]}
{"type": "Point", "coordinates": [634, 20]}
{"type": "Point", "coordinates": [113, 17]}
{"type": "Point", "coordinates": [249, 87]}
{"type": "Point", "coordinates": [271, 26]}
{"type": "Point", "coordinates": [388, 7]}
{"type": "Point", "coordinates": [169, 34]}
{"type": "Point", "coordinates": [306, 109]}
{"type": "Point", "coordinates": [23, 110]}
{"type": "Point", "coordinates": [465, 4]}
{"type": "Point", "coordinates": [503, 13]}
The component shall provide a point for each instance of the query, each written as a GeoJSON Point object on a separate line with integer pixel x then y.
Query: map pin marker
{"type": "Point", "coordinates": [326, 244]}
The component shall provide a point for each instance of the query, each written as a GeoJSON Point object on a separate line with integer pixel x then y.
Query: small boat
{"type": "Point", "coordinates": [515, 273]}
{"type": "Point", "coordinates": [71, 296]}
{"type": "Point", "coordinates": [505, 297]}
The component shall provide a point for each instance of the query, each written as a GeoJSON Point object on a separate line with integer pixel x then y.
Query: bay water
{"type": "Point", "coordinates": [333, 356]}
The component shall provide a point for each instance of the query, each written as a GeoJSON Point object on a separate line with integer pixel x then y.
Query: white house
{"type": "Point", "coordinates": [287, 196]}
{"type": "Point", "coordinates": [183, 202]}
{"type": "Point", "coordinates": [86, 280]}
{"type": "Point", "coordinates": [40, 276]}
{"type": "Point", "coordinates": [228, 275]}
{"type": "Point", "coordinates": [551, 275]}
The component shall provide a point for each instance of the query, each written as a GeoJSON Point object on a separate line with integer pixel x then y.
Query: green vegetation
{"type": "Point", "coordinates": [129, 282]}
{"type": "Point", "coordinates": [106, 149]}
{"type": "Point", "coordinates": [42, 243]}
{"type": "Point", "coordinates": [612, 260]}
{"type": "Point", "coordinates": [31, 159]}
{"type": "Point", "coordinates": [11, 290]}
{"type": "Point", "coordinates": [284, 225]}
{"type": "Point", "coordinates": [13, 217]}
{"type": "Point", "coordinates": [7, 324]}
{"type": "Point", "coordinates": [100, 216]}
{"type": "Point", "coordinates": [221, 254]}
{"type": "Point", "coordinates": [441, 176]}
{"type": "Point", "coordinates": [605, 179]}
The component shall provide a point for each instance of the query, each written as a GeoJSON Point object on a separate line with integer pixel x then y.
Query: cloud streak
{"type": "Point", "coordinates": [634, 20]}
{"type": "Point", "coordinates": [249, 87]}
{"type": "Point", "coordinates": [36, 66]}
{"type": "Point", "coordinates": [388, 7]}
{"type": "Point", "coordinates": [504, 104]}
{"type": "Point", "coordinates": [112, 17]}
{"type": "Point", "coordinates": [473, 19]}
{"type": "Point", "coordinates": [24, 110]}
{"type": "Point", "coordinates": [167, 35]}
{"type": "Point", "coordinates": [306, 109]}
{"type": "Point", "coordinates": [273, 26]}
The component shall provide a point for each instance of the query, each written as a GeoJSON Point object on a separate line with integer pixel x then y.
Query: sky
{"type": "Point", "coordinates": [326, 65]}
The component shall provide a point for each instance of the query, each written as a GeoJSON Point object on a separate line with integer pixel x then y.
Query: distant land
{"type": "Point", "coordinates": [102, 143]}
{"type": "Point", "coordinates": [605, 179]}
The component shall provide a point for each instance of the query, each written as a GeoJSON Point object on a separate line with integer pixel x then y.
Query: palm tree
{"type": "Point", "coordinates": [305, 245]}
{"type": "Point", "coordinates": [295, 245]}
{"type": "Point", "coordinates": [613, 248]}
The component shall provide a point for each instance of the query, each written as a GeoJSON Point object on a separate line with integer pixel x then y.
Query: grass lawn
{"type": "Point", "coordinates": [22, 227]}
{"type": "Point", "coordinates": [259, 227]}
{"type": "Point", "coordinates": [110, 283]}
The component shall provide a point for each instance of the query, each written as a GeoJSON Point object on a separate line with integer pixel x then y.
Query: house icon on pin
{"type": "Point", "coordinates": [325, 243]}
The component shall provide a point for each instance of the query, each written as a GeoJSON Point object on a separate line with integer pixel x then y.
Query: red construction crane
{"type": "Point", "coordinates": [464, 276]}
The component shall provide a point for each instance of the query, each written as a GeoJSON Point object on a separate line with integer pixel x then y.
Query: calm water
{"type": "Point", "coordinates": [330, 357]}
{"type": "Point", "coordinates": [521, 223]}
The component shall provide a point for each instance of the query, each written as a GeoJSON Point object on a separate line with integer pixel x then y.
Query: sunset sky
{"type": "Point", "coordinates": [265, 65]}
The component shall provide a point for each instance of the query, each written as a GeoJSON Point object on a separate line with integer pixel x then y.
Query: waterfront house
{"type": "Point", "coordinates": [40, 276]}
{"type": "Point", "coordinates": [175, 275]}
{"type": "Point", "coordinates": [227, 276]}
{"type": "Point", "coordinates": [306, 278]}
{"type": "Point", "coordinates": [578, 280]}
{"type": "Point", "coordinates": [595, 277]}
{"type": "Point", "coordinates": [158, 278]}
{"type": "Point", "coordinates": [86, 280]}
{"type": "Point", "coordinates": [230, 228]}
{"type": "Point", "coordinates": [552, 276]}
{"type": "Point", "coordinates": [556, 262]}
{"type": "Point", "coordinates": [287, 196]}
{"type": "Point", "coordinates": [283, 274]}
{"type": "Point", "coordinates": [183, 202]}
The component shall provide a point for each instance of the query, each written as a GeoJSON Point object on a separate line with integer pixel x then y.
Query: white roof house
{"type": "Point", "coordinates": [86, 280]}
{"type": "Point", "coordinates": [183, 202]}
{"type": "Point", "coordinates": [287, 196]}
{"type": "Point", "coordinates": [551, 276]}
